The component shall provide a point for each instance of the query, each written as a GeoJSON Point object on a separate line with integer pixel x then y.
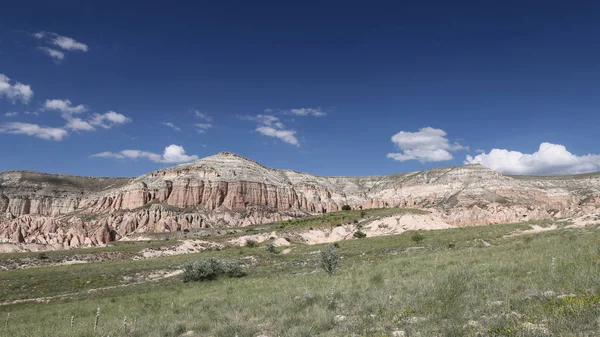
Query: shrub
{"type": "Point", "coordinates": [202, 270]}
{"type": "Point", "coordinates": [210, 269]}
{"type": "Point", "coordinates": [232, 269]}
{"type": "Point", "coordinates": [451, 245]}
{"type": "Point", "coordinates": [329, 259]}
{"type": "Point", "coordinates": [271, 248]}
{"type": "Point", "coordinates": [251, 243]}
{"type": "Point", "coordinates": [359, 234]}
{"type": "Point", "coordinates": [362, 214]}
{"type": "Point", "coordinates": [346, 208]}
{"type": "Point", "coordinates": [417, 237]}
{"type": "Point", "coordinates": [43, 256]}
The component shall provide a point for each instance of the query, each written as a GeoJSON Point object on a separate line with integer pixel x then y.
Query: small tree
{"type": "Point", "coordinates": [346, 208]}
{"type": "Point", "coordinates": [329, 259]}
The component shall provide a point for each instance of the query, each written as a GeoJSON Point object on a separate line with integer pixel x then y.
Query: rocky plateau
{"type": "Point", "coordinates": [227, 190]}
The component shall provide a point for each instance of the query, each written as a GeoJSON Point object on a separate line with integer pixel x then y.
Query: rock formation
{"type": "Point", "coordinates": [228, 190]}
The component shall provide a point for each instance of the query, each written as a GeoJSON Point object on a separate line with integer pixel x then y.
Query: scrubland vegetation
{"type": "Point", "coordinates": [425, 283]}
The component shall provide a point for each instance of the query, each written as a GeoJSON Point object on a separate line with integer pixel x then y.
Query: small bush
{"type": "Point", "coordinates": [271, 248]}
{"type": "Point", "coordinates": [210, 269]}
{"type": "Point", "coordinates": [359, 234]}
{"type": "Point", "coordinates": [251, 243]}
{"type": "Point", "coordinates": [451, 245]}
{"type": "Point", "coordinates": [362, 214]}
{"type": "Point", "coordinates": [346, 208]}
{"type": "Point", "coordinates": [329, 259]}
{"type": "Point", "coordinates": [232, 269]}
{"type": "Point", "coordinates": [43, 256]}
{"type": "Point", "coordinates": [417, 237]}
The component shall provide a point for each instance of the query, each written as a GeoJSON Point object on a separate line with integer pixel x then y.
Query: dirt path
{"type": "Point", "coordinates": [534, 229]}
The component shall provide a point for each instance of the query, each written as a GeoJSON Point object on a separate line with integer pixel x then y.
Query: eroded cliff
{"type": "Point", "coordinates": [229, 190]}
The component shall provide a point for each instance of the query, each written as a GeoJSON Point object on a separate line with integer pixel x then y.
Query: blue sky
{"type": "Point", "coordinates": [330, 88]}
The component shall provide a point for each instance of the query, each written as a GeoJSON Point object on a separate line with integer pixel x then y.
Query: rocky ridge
{"type": "Point", "coordinates": [229, 190]}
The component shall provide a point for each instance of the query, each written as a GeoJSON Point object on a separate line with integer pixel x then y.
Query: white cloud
{"type": "Point", "coordinates": [172, 126]}
{"type": "Point", "coordinates": [64, 106]}
{"type": "Point", "coordinates": [79, 124]}
{"type": "Point", "coordinates": [55, 54]}
{"type": "Point", "coordinates": [271, 126]}
{"type": "Point", "coordinates": [202, 127]}
{"type": "Point", "coordinates": [11, 114]}
{"type": "Point", "coordinates": [316, 112]}
{"type": "Point", "coordinates": [202, 115]}
{"type": "Point", "coordinates": [106, 120]}
{"type": "Point", "coordinates": [35, 130]}
{"type": "Point", "coordinates": [109, 119]}
{"type": "Point", "coordinates": [14, 92]}
{"type": "Point", "coordinates": [269, 120]}
{"type": "Point", "coordinates": [549, 159]}
{"type": "Point", "coordinates": [173, 154]}
{"type": "Point", "coordinates": [62, 42]}
{"type": "Point", "coordinates": [428, 144]}
{"type": "Point", "coordinates": [288, 136]}
{"type": "Point", "coordinates": [176, 154]}
{"type": "Point", "coordinates": [68, 43]}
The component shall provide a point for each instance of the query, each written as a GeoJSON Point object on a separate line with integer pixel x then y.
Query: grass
{"type": "Point", "coordinates": [448, 284]}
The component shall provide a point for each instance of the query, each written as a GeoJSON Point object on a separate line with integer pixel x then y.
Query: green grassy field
{"type": "Point", "coordinates": [450, 284]}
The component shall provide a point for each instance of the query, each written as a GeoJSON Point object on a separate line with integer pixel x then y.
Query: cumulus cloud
{"type": "Point", "coordinates": [55, 54]}
{"type": "Point", "coordinates": [79, 124]}
{"type": "Point", "coordinates": [548, 159]}
{"type": "Point", "coordinates": [271, 126]}
{"type": "Point", "coordinates": [35, 130]}
{"type": "Point", "coordinates": [288, 136]}
{"type": "Point", "coordinates": [271, 121]}
{"type": "Point", "coordinates": [15, 92]}
{"type": "Point", "coordinates": [316, 112]}
{"type": "Point", "coordinates": [109, 119]}
{"type": "Point", "coordinates": [173, 154]}
{"type": "Point", "coordinates": [68, 43]}
{"type": "Point", "coordinates": [426, 145]}
{"type": "Point", "coordinates": [64, 106]}
{"type": "Point", "coordinates": [11, 114]}
{"type": "Point", "coordinates": [172, 126]}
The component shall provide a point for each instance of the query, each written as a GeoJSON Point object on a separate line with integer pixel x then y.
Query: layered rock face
{"type": "Point", "coordinates": [229, 190]}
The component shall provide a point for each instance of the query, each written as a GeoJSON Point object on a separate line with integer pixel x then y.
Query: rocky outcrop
{"type": "Point", "coordinates": [229, 190]}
